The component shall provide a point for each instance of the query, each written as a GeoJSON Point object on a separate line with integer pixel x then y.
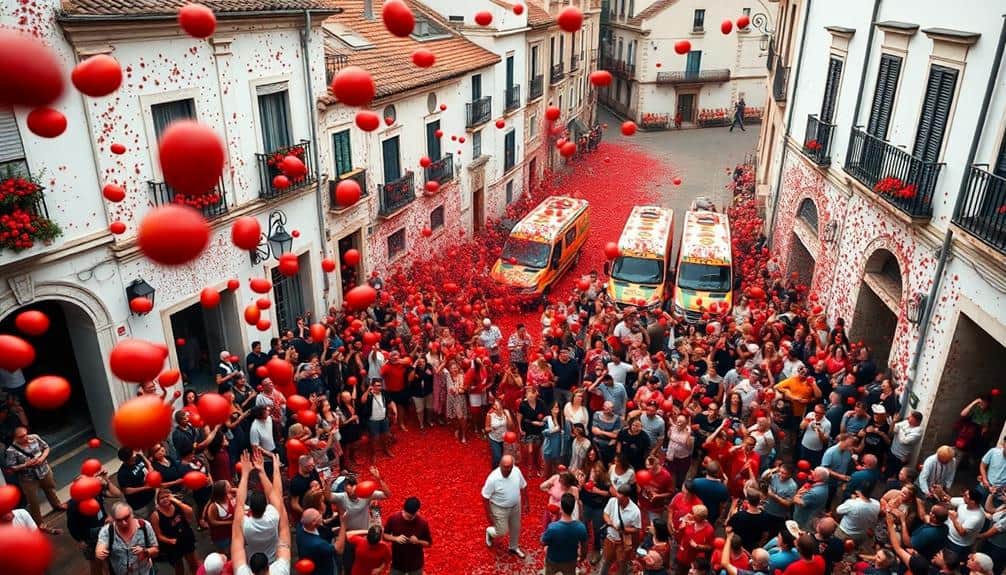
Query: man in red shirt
{"type": "Point", "coordinates": [695, 539]}
{"type": "Point", "coordinates": [393, 372]}
{"type": "Point", "coordinates": [657, 493]}
{"type": "Point", "coordinates": [809, 563]}
{"type": "Point", "coordinates": [743, 465]}
{"type": "Point", "coordinates": [372, 554]}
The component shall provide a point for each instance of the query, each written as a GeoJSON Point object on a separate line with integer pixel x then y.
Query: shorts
{"type": "Point", "coordinates": [401, 398]}
{"type": "Point", "coordinates": [425, 402]}
{"type": "Point", "coordinates": [375, 428]}
{"type": "Point", "coordinates": [531, 439]}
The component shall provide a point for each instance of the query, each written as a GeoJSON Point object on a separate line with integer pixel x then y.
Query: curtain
{"type": "Point", "coordinates": [275, 117]}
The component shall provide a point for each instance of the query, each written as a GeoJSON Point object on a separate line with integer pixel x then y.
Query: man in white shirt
{"type": "Point", "coordinates": [375, 361]}
{"type": "Point", "coordinates": [260, 433]}
{"type": "Point", "coordinates": [505, 496]}
{"type": "Point", "coordinates": [907, 434]}
{"type": "Point", "coordinates": [250, 560]}
{"type": "Point", "coordinates": [619, 370]}
{"type": "Point", "coordinates": [623, 518]}
{"type": "Point", "coordinates": [965, 522]}
{"type": "Point", "coordinates": [816, 430]}
{"type": "Point", "coordinates": [859, 514]}
{"type": "Point", "coordinates": [490, 338]}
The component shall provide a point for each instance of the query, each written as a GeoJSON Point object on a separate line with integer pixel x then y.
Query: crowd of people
{"type": "Point", "coordinates": [760, 440]}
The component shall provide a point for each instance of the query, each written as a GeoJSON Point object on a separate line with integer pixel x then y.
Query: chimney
{"type": "Point", "coordinates": [368, 9]}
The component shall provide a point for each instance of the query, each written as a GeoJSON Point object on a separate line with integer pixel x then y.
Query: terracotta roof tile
{"type": "Point", "coordinates": [390, 60]}
{"type": "Point", "coordinates": [651, 11]}
{"type": "Point", "coordinates": [166, 7]}
{"type": "Point", "coordinates": [537, 16]}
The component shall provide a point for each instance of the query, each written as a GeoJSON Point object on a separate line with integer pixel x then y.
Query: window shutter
{"type": "Point", "coordinates": [831, 90]}
{"type": "Point", "coordinates": [1000, 165]}
{"type": "Point", "coordinates": [343, 153]}
{"type": "Point", "coordinates": [432, 141]}
{"type": "Point", "coordinates": [883, 96]}
{"type": "Point", "coordinates": [935, 113]}
{"type": "Point", "coordinates": [10, 138]}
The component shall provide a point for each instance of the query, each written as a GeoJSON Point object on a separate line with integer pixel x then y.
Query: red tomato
{"type": "Point", "coordinates": [600, 78]}
{"type": "Point", "coordinates": [140, 305]}
{"type": "Point", "coordinates": [552, 113]}
{"type": "Point", "coordinates": [15, 353]}
{"type": "Point", "coordinates": [484, 18]}
{"type": "Point", "coordinates": [682, 47]}
{"type": "Point", "coordinates": [48, 392]}
{"type": "Point", "coordinates": [318, 332]}
{"type": "Point", "coordinates": [347, 193]}
{"type": "Point", "coordinates": [398, 18]}
{"type": "Point", "coordinates": [263, 325]}
{"type": "Point", "coordinates": [117, 149]}
{"type": "Point", "coordinates": [366, 488]}
{"type": "Point", "coordinates": [296, 403]}
{"type": "Point", "coordinates": [611, 250]}
{"type": "Point", "coordinates": [252, 314]}
{"type": "Point", "coordinates": [423, 58]}
{"type": "Point", "coordinates": [233, 284]}
{"type": "Point", "coordinates": [32, 322]}
{"type": "Point", "coordinates": [280, 371]}
{"type": "Point", "coordinates": [90, 466]}
{"type": "Point", "coordinates": [113, 192]}
{"type": "Point", "coordinates": [245, 232]}
{"type": "Point", "coordinates": [25, 551]}
{"type": "Point", "coordinates": [195, 480]}
{"type": "Point", "coordinates": [328, 265]}
{"type": "Point", "coordinates": [281, 182]}
{"type": "Point", "coordinates": [192, 157]}
{"type": "Point", "coordinates": [168, 378]}
{"type": "Point", "coordinates": [85, 488]}
{"type": "Point", "coordinates": [173, 235]}
{"type": "Point", "coordinates": [260, 285]}
{"type": "Point", "coordinates": [367, 120]}
{"type": "Point", "coordinates": [353, 86]}
{"type": "Point", "coordinates": [197, 20]}
{"type": "Point", "coordinates": [351, 257]}
{"type": "Point", "coordinates": [288, 266]}
{"type": "Point", "coordinates": [31, 71]}
{"type": "Point", "coordinates": [209, 298]}
{"type": "Point", "coordinates": [307, 417]}
{"type": "Point", "coordinates": [518, 9]}
{"type": "Point", "coordinates": [153, 479]}
{"type": "Point", "coordinates": [628, 128]}
{"type": "Point", "coordinates": [304, 566]}
{"type": "Point", "coordinates": [10, 496]}
{"type": "Point", "coordinates": [570, 19]}
{"type": "Point", "coordinates": [142, 422]}
{"type": "Point", "coordinates": [214, 408]}
{"type": "Point", "coordinates": [293, 167]}
{"type": "Point", "coordinates": [46, 122]}
{"type": "Point", "coordinates": [117, 227]}
{"type": "Point", "coordinates": [98, 76]}
{"type": "Point", "coordinates": [726, 26]}
{"type": "Point", "coordinates": [263, 303]}
{"type": "Point", "coordinates": [136, 360]}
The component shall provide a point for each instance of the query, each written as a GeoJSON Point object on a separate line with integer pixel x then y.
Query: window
{"type": "Point", "coordinates": [289, 294]}
{"type": "Point", "coordinates": [390, 112]}
{"type": "Point", "coordinates": [570, 236]}
{"type": "Point", "coordinates": [533, 125]}
{"type": "Point", "coordinates": [437, 218]}
{"type": "Point", "coordinates": [509, 151]}
{"type": "Point", "coordinates": [431, 102]}
{"type": "Point", "coordinates": [534, 61]}
{"type": "Point", "coordinates": [699, 21]}
{"type": "Point", "coordinates": [342, 152]}
{"type": "Point", "coordinates": [476, 145]}
{"type": "Point", "coordinates": [167, 112]}
{"type": "Point", "coordinates": [935, 113]}
{"type": "Point", "coordinates": [392, 160]}
{"type": "Point", "coordinates": [476, 87]}
{"type": "Point", "coordinates": [632, 7]}
{"type": "Point", "coordinates": [509, 72]}
{"type": "Point", "coordinates": [11, 149]}
{"type": "Point", "coordinates": [551, 51]}
{"type": "Point", "coordinates": [426, 30]}
{"type": "Point", "coordinates": [694, 62]}
{"type": "Point", "coordinates": [432, 141]}
{"type": "Point", "coordinates": [556, 255]}
{"type": "Point", "coordinates": [274, 115]}
{"type": "Point", "coordinates": [883, 95]}
{"type": "Point", "coordinates": [831, 83]}
{"type": "Point", "coordinates": [560, 100]}
{"type": "Point", "coordinates": [509, 192]}
{"type": "Point", "coordinates": [396, 244]}
{"type": "Point", "coordinates": [808, 213]}
{"type": "Point", "coordinates": [746, 12]}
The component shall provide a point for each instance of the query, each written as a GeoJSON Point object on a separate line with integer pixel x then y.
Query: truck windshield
{"type": "Point", "coordinates": [526, 253]}
{"type": "Point", "coordinates": [638, 270]}
{"type": "Point", "coordinates": [704, 277]}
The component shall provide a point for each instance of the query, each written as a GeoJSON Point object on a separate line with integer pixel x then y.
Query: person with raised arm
{"type": "Point", "coordinates": [258, 563]}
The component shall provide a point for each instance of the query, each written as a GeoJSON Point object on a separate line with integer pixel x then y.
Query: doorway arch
{"type": "Point", "coordinates": [875, 318]}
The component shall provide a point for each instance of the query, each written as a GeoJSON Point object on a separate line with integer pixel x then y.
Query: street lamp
{"type": "Point", "coordinates": [916, 308]}
{"type": "Point", "coordinates": [760, 22]}
{"type": "Point", "coordinates": [278, 243]}
{"type": "Point", "coordinates": [140, 288]}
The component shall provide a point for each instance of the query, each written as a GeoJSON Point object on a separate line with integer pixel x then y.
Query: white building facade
{"type": "Point", "coordinates": [889, 200]}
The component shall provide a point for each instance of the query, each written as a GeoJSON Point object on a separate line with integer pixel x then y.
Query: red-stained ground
{"type": "Point", "coordinates": [446, 475]}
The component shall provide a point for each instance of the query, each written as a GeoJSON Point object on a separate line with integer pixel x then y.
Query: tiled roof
{"type": "Point", "coordinates": [166, 7]}
{"type": "Point", "coordinates": [390, 60]}
{"type": "Point", "coordinates": [537, 16]}
{"type": "Point", "coordinates": [651, 11]}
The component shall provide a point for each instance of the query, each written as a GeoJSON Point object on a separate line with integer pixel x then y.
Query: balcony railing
{"type": "Point", "coordinates": [334, 63]}
{"type": "Point", "coordinates": [557, 73]}
{"type": "Point", "coordinates": [478, 112]}
{"type": "Point", "coordinates": [693, 76]}
{"type": "Point", "coordinates": [212, 204]}
{"type": "Point", "coordinates": [574, 63]}
{"type": "Point", "coordinates": [981, 212]}
{"type": "Point", "coordinates": [359, 174]}
{"type": "Point", "coordinates": [442, 170]}
{"type": "Point", "coordinates": [396, 195]}
{"type": "Point", "coordinates": [268, 168]}
{"type": "Point", "coordinates": [780, 80]}
{"type": "Point", "coordinates": [537, 87]}
{"type": "Point", "coordinates": [900, 178]}
{"type": "Point", "coordinates": [513, 98]}
{"type": "Point", "coordinates": [619, 67]}
{"type": "Point", "coordinates": [817, 140]}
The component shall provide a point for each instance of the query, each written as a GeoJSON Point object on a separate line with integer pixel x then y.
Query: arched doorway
{"type": "Point", "coordinates": [876, 314]}
{"type": "Point", "coordinates": [802, 261]}
{"type": "Point", "coordinates": [70, 348]}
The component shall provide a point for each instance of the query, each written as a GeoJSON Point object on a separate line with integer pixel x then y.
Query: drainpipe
{"type": "Point", "coordinates": [791, 104]}
{"type": "Point", "coordinates": [944, 253]}
{"type": "Point", "coordinates": [312, 110]}
{"type": "Point", "coordinates": [866, 62]}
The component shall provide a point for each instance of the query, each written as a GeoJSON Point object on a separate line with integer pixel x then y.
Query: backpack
{"type": "Point", "coordinates": [111, 547]}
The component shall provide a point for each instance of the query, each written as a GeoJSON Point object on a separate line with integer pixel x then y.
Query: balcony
{"type": "Point", "coordinates": [513, 98]}
{"type": "Point", "coordinates": [359, 174]}
{"type": "Point", "coordinates": [557, 73]}
{"type": "Point", "coordinates": [212, 204]}
{"type": "Point", "coordinates": [694, 77]}
{"type": "Point", "coordinates": [619, 67]}
{"type": "Point", "coordinates": [396, 195]}
{"type": "Point", "coordinates": [479, 111]}
{"type": "Point", "coordinates": [901, 179]}
{"type": "Point", "coordinates": [780, 81]}
{"type": "Point", "coordinates": [537, 87]}
{"type": "Point", "coordinates": [981, 212]}
{"type": "Point", "coordinates": [817, 140]}
{"type": "Point", "coordinates": [574, 63]}
{"type": "Point", "coordinates": [442, 170]}
{"type": "Point", "coordinates": [268, 169]}
{"type": "Point", "coordinates": [334, 63]}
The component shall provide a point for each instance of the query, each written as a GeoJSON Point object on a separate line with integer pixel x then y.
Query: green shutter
{"type": "Point", "coordinates": [832, 81]}
{"type": "Point", "coordinates": [935, 113]}
{"type": "Point", "coordinates": [342, 152]}
{"type": "Point", "coordinates": [883, 95]}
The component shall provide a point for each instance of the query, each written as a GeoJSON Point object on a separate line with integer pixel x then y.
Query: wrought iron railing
{"type": "Point", "coordinates": [780, 81]}
{"type": "Point", "coordinates": [557, 73]}
{"type": "Point", "coordinates": [537, 87]}
{"type": "Point", "coordinates": [479, 111]}
{"type": "Point", "coordinates": [359, 174]}
{"type": "Point", "coordinates": [397, 194]}
{"type": "Point", "coordinates": [574, 63]}
{"type": "Point", "coordinates": [817, 140]}
{"type": "Point", "coordinates": [442, 170]}
{"type": "Point", "coordinates": [334, 63]}
{"type": "Point", "coordinates": [212, 204]}
{"type": "Point", "coordinates": [268, 169]}
{"type": "Point", "coordinates": [513, 97]}
{"type": "Point", "coordinates": [901, 179]}
{"type": "Point", "coordinates": [982, 210]}
{"type": "Point", "coordinates": [693, 76]}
